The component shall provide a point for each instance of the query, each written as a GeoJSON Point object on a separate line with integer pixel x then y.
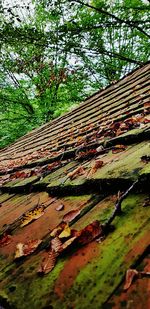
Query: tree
{"type": "Point", "coordinates": [55, 53]}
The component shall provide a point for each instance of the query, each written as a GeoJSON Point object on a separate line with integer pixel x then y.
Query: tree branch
{"type": "Point", "coordinates": [127, 22]}
{"type": "Point", "coordinates": [111, 54]}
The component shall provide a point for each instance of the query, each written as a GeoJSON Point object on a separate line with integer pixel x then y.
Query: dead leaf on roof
{"type": "Point", "coordinates": [90, 232]}
{"type": "Point", "coordinates": [32, 215]}
{"type": "Point", "coordinates": [95, 165]}
{"type": "Point", "coordinates": [84, 155]}
{"type": "Point", "coordinates": [68, 242]}
{"type": "Point", "coordinates": [78, 171]}
{"type": "Point", "coordinates": [5, 240]}
{"type": "Point", "coordinates": [119, 148]}
{"type": "Point", "coordinates": [71, 215]}
{"type": "Point", "coordinates": [56, 245]}
{"type": "Point", "coordinates": [65, 233]}
{"type": "Point", "coordinates": [52, 165]}
{"type": "Point", "coordinates": [147, 108]}
{"type": "Point", "coordinates": [48, 262]}
{"type": "Point", "coordinates": [26, 248]}
{"type": "Point", "coordinates": [20, 174]}
{"type": "Point", "coordinates": [58, 229]}
{"type": "Point", "coordinates": [130, 275]}
{"type": "Point", "coordinates": [59, 207]}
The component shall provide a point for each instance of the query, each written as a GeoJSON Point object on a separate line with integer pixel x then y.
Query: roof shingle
{"type": "Point", "coordinates": [66, 177]}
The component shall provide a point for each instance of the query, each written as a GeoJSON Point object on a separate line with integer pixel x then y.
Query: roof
{"type": "Point", "coordinates": [74, 213]}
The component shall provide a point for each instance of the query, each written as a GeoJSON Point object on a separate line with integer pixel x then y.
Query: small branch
{"type": "Point", "coordinates": [118, 209]}
{"type": "Point", "coordinates": [127, 22]}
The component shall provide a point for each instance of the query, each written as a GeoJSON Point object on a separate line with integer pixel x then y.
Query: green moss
{"type": "Point", "coordinates": [146, 169]}
{"type": "Point", "coordinates": [29, 289]}
{"type": "Point", "coordinates": [55, 177]}
{"type": "Point", "coordinates": [111, 262]}
{"type": "Point", "coordinates": [26, 181]}
{"type": "Point", "coordinates": [108, 265]}
{"type": "Point", "coordinates": [128, 165]}
{"type": "Point", "coordinates": [95, 281]}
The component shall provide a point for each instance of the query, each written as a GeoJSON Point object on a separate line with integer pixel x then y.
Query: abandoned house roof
{"type": "Point", "coordinates": [74, 205]}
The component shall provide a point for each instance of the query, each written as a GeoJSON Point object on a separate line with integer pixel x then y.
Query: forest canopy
{"type": "Point", "coordinates": [54, 53]}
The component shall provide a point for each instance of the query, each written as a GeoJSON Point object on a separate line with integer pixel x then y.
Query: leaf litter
{"type": "Point", "coordinates": [24, 249]}
{"type": "Point", "coordinates": [59, 243]}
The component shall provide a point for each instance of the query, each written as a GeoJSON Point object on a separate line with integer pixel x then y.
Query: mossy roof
{"type": "Point", "coordinates": [75, 168]}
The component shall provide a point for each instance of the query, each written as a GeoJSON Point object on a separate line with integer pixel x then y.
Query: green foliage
{"type": "Point", "coordinates": [55, 53]}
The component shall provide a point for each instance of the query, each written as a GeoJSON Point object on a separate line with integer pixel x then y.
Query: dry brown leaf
{"type": "Point", "coordinates": [84, 155]}
{"type": "Point", "coordinates": [90, 232]}
{"type": "Point", "coordinates": [94, 167]}
{"type": "Point", "coordinates": [78, 171]}
{"type": "Point", "coordinates": [57, 230]}
{"type": "Point", "coordinates": [68, 242]}
{"type": "Point", "coordinates": [71, 215]}
{"type": "Point", "coordinates": [59, 207]}
{"type": "Point", "coordinates": [56, 245]}
{"type": "Point", "coordinates": [48, 263]}
{"type": "Point", "coordinates": [5, 240]}
{"type": "Point", "coordinates": [19, 250]}
{"type": "Point", "coordinates": [119, 148]}
{"type": "Point", "coordinates": [130, 275]}
{"type": "Point", "coordinates": [26, 248]}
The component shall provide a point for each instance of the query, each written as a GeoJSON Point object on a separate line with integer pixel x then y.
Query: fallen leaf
{"type": "Point", "coordinates": [118, 148]}
{"type": "Point", "coordinates": [57, 230]}
{"type": "Point", "coordinates": [68, 242]}
{"type": "Point", "coordinates": [26, 248]}
{"type": "Point", "coordinates": [56, 245]}
{"type": "Point", "coordinates": [94, 167]}
{"type": "Point", "coordinates": [5, 240]}
{"type": "Point", "coordinates": [48, 262]}
{"type": "Point", "coordinates": [71, 215]}
{"type": "Point", "coordinates": [59, 207]}
{"type": "Point", "coordinates": [53, 165]}
{"type": "Point", "coordinates": [78, 171]}
{"type": "Point", "coordinates": [84, 155]}
{"type": "Point", "coordinates": [90, 232]}
{"type": "Point", "coordinates": [65, 233]}
{"type": "Point", "coordinates": [130, 275]}
{"type": "Point", "coordinates": [19, 250]}
{"type": "Point", "coordinates": [32, 215]}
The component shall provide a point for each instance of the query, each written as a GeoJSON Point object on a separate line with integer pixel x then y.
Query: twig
{"type": "Point", "coordinates": [118, 210]}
